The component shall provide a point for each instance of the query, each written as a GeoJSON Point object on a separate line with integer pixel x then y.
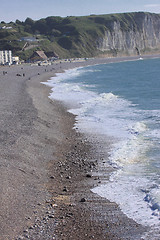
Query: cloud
{"type": "Point", "coordinates": [152, 5]}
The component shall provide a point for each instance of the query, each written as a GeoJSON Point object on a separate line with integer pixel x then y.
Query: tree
{"type": "Point", "coordinates": [29, 21]}
{"type": "Point", "coordinates": [52, 22]}
{"type": "Point", "coordinates": [28, 28]}
{"type": "Point", "coordinates": [18, 22]}
{"type": "Point", "coordinates": [41, 26]}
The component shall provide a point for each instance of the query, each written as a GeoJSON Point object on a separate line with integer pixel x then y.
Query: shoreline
{"type": "Point", "coordinates": [55, 168]}
{"type": "Point", "coordinates": [74, 213]}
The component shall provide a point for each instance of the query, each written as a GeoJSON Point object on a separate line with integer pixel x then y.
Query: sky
{"type": "Point", "coordinates": [10, 10]}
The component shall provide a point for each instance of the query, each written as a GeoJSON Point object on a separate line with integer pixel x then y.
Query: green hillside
{"type": "Point", "coordinates": [67, 37]}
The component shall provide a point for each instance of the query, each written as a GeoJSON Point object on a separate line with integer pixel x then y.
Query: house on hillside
{"type": "Point", "coordinates": [38, 56]}
{"type": "Point", "coordinates": [4, 27]}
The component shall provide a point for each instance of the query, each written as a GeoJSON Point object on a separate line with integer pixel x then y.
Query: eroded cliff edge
{"type": "Point", "coordinates": [131, 33]}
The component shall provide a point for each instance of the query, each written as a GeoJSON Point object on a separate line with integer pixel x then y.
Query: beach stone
{"type": "Point", "coordinates": [27, 236]}
{"type": "Point", "coordinates": [65, 189]}
{"type": "Point", "coordinates": [48, 212]}
{"type": "Point", "coordinates": [69, 214]}
{"type": "Point", "coordinates": [51, 216]}
{"type": "Point", "coordinates": [83, 200]}
{"type": "Point", "coordinates": [96, 178]}
{"type": "Point", "coordinates": [68, 177]}
{"type": "Point", "coordinates": [52, 177]}
{"type": "Point", "coordinates": [88, 175]}
{"type": "Point", "coordinates": [20, 238]}
{"type": "Point", "coordinates": [31, 227]}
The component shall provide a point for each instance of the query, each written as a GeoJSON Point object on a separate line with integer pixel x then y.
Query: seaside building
{"type": "Point", "coordinates": [6, 57]}
{"type": "Point", "coordinates": [38, 56]}
{"type": "Point", "coordinates": [15, 60]}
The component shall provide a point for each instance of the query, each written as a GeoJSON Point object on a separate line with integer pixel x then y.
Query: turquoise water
{"type": "Point", "coordinates": [121, 101]}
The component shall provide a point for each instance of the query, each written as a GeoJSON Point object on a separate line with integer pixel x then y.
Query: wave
{"type": "Point", "coordinates": [127, 191]}
{"type": "Point", "coordinates": [107, 114]}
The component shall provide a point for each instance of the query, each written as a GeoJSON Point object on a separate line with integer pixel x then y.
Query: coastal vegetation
{"type": "Point", "coordinates": [73, 36]}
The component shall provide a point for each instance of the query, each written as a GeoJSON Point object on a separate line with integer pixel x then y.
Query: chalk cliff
{"type": "Point", "coordinates": [138, 32]}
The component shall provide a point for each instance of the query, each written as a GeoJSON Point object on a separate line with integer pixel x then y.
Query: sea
{"type": "Point", "coordinates": [121, 101]}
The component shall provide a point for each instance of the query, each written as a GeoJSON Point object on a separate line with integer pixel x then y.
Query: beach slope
{"type": "Point", "coordinates": [45, 178]}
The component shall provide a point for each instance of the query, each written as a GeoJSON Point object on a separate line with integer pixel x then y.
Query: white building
{"type": "Point", "coordinates": [6, 57]}
{"type": "Point", "coordinates": [15, 60]}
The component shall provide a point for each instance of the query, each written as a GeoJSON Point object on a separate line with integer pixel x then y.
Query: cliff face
{"type": "Point", "coordinates": [141, 34]}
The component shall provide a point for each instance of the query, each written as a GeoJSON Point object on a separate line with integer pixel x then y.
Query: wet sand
{"type": "Point", "coordinates": [47, 168]}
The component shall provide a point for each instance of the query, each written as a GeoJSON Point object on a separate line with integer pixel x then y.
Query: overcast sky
{"type": "Point", "coordinates": [10, 10]}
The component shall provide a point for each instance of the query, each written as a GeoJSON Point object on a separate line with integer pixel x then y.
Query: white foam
{"type": "Point", "coordinates": [68, 74]}
{"type": "Point", "coordinates": [110, 115]}
{"type": "Point", "coordinates": [126, 191]}
{"type": "Point", "coordinates": [130, 151]}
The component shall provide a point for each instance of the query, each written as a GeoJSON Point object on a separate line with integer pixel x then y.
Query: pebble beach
{"type": "Point", "coordinates": [47, 168]}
